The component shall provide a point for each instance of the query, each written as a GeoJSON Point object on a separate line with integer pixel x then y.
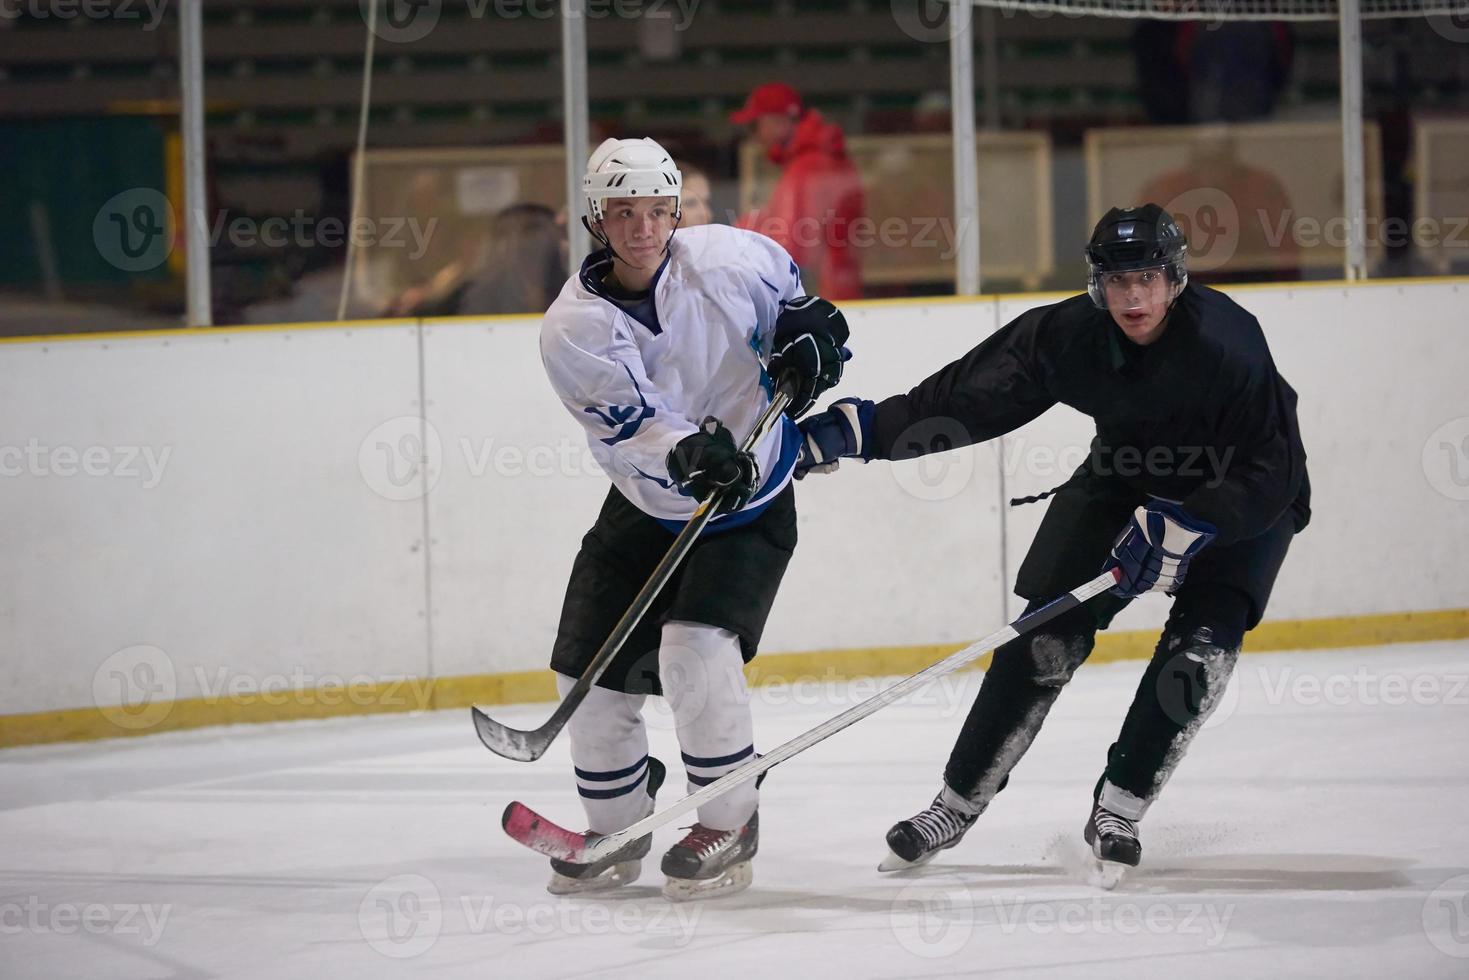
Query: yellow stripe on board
{"type": "Point", "coordinates": [1045, 296]}
{"type": "Point", "coordinates": [418, 694]}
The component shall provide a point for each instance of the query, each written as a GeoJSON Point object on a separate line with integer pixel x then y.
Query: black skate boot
{"type": "Point", "coordinates": [915, 841]}
{"type": "Point", "coordinates": [1115, 845]}
{"type": "Point", "coordinates": [709, 863]}
{"type": "Point", "coordinates": [619, 868]}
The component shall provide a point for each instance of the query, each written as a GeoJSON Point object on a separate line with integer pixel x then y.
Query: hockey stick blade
{"type": "Point", "coordinates": [536, 832]}
{"type": "Point", "coordinates": [512, 743]}
{"type": "Point", "coordinates": [543, 836]}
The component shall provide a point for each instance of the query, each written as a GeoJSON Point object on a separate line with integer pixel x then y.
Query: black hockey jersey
{"type": "Point", "coordinates": [1201, 416]}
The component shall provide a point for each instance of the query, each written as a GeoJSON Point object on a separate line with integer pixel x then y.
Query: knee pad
{"type": "Point", "coordinates": [1194, 674]}
{"type": "Point", "coordinates": [1048, 659]}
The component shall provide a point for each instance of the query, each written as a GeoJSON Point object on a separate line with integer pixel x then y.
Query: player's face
{"type": "Point", "coordinates": [638, 229]}
{"type": "Point", "coordinates": [1138, 302]}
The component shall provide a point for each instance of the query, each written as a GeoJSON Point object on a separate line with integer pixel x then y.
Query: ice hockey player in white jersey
{"type": "Point", "coordinates": [663, 347]}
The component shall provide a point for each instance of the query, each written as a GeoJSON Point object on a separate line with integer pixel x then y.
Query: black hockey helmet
{"type": "Point", "coordinates": [1128, 239]}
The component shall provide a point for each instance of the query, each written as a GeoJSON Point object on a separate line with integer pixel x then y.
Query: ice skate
{"type": "Point", "coordinates": [1115, 846]}
{"type": "Point", "coordinates": [915, 841]}
{"type": "Point", "coordinates": [617, 869]}
{"type": "Point", "coordinates": [711, 863]}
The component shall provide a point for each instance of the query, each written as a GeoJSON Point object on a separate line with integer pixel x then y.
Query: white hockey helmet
{"type": "Point", "coordinates": [630, 168]}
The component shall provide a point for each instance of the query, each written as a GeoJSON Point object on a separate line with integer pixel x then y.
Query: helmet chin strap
{"type": "Point", "coordinates": [596, 232]}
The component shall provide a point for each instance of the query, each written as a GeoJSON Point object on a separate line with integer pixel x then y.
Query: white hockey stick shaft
{"type": "Point", "coordinates": [604, 846]}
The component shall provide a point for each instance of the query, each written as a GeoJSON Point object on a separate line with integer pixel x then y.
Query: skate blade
{"type": "Point", "coordinates": [1106, 875]}
{"type": "Point", "coordinates": [894, 863]}
{"type": "Point", "coordinates": [624, 873]}
{"type": "Point", "coordinates": [733, 879]}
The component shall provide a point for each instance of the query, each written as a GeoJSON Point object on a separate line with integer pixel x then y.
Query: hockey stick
{"type": "Point", "coordinates": [527, 746]}
{"type": "Point", "coordinates": [539, 834]}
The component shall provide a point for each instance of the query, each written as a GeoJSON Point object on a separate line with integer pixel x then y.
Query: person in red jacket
{"type": "Point", "coordinates": [819, 194]}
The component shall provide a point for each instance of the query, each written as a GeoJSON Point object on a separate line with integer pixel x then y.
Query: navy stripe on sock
{"type": "Point", "coordinates": [609, 794]}
{"type": "Point", "coordinates": [607, 777]}
{"type": "Point", "coordinates": [701, 780]}
{"type": "Point", "coordinates": [724, 760]}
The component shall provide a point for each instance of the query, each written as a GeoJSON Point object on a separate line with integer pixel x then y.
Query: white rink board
{"type": "Point", "coordinates": [519, 489]}
{"type": "Point", "coordinates": [261, 555]}
{"type": "Point", "coordinates": [285, 538]}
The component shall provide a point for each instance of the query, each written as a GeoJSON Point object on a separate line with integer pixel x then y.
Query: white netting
{"type": "Point", "coordinates": [1223, 10]}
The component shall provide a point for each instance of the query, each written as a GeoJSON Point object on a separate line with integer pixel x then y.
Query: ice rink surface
{"type": "Point", "coordinates": [1317, 829]}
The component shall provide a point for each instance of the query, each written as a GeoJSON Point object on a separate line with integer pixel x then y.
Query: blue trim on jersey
{"type": "Point", "coordinates": [645, 311]}
{"type": "Point", "coordinates": [616, 416]}
{"type": "Point", "coordinates": [774, 289]}
{"type": "Point", "coordinates": [775, 481]}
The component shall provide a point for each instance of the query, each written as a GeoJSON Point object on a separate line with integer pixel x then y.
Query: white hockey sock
{"type": "Point", "coordinates": [609, 750]}
{"type": "Point", "coordinates": [703, 679]}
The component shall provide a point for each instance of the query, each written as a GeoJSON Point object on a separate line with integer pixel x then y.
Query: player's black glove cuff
{"type": "Point", "coordinates": [709, 461]}
{"type": "Point", "coordinates": [809, 337]}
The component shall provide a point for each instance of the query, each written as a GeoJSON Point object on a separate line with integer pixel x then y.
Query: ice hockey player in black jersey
{"type": "Point", "coordinates": [1196, 470]}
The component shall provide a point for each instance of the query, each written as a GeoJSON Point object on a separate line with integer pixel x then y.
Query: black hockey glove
{"type": "Point", "coordinates": [709, 461]}
{"type": "Point", "coordinates": [809, 338]}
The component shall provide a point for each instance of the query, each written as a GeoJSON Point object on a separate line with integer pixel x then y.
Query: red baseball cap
{"type": "Point", "coordinates": [771, 98]}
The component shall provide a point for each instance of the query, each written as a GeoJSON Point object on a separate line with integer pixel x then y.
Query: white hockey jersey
{"type": "Point", "coordinates": [640, 377]}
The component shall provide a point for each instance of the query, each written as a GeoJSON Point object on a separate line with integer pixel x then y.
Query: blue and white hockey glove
{"type": "Point", "coordinates": [810, 335]}
{"type": "Point", "coordinates": [709, 461]}
{"type": "Point", "coordinates": [1154, 550]}
{"type": "Point", "coordinates": [839, 432]}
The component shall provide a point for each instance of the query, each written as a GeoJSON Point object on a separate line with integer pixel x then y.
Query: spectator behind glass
{"type": "Point", "coordinates": [819, 193]}
{"type": "Point", "coordinates": [524, 265]}
{"type": "Point", "coordinates": [694, 201]}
